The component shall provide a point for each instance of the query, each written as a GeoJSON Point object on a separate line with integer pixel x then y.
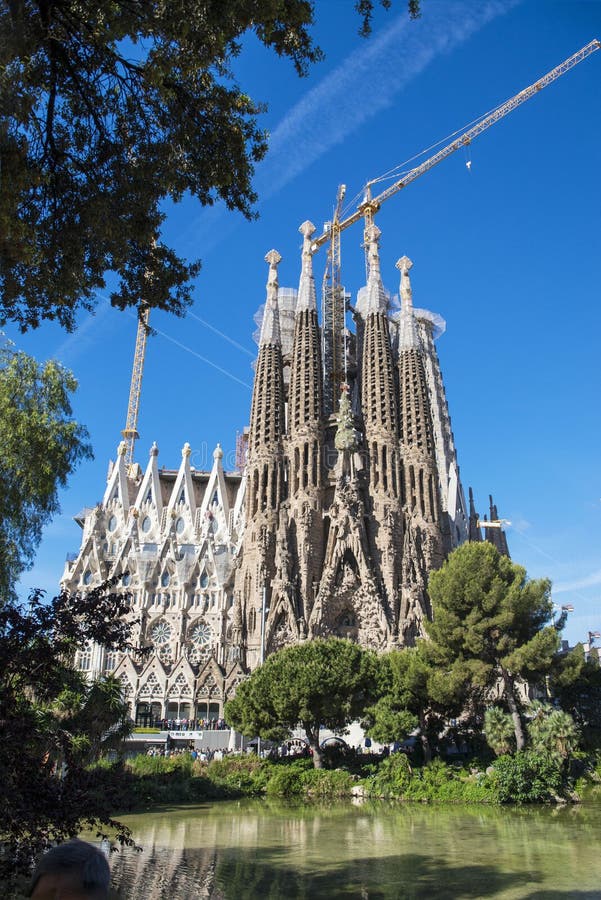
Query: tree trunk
{"type": "Point", "coordinates": [518, 726]}
{"type": "Point", "coordinates": [425, 742]}
{"type": "Point", "coordinates": [313, 738]}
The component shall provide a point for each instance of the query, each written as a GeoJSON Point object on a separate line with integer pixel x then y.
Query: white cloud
{"type": "Point", "coordinates": [364, 84]}
{"type": "Point", "coordinates": [591, 580]}
{"type": "Point", "coordinates": [86, 335]}
{"type": "Point", "coordinates": [367, 82]}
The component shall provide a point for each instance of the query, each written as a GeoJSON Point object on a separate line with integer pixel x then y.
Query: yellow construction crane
{"type": "Point", "coordinates": [370, 205]}
{"type": "Point", "coordinates": [332, 311]}
{"type": "Point", "coordinates": [130, 432]}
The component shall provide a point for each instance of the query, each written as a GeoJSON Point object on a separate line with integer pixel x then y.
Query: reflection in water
{"type": "Point", "coordinates": [265, 849]}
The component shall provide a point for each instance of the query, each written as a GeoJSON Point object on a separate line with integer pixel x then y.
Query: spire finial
{"type": "Point", "coordinates": [376, 299]}
{"type": "Point", "coordinates": [270, 329]}
{"type": "Point", "coordinates": [403, 265]}
{"type": "Point", "coordinates": [408, 338]}
{"type": "Point", "coordinates": [372, 236]}
{"type": "Point", "coordinates": [274, 259]}
{"type": "Point", "coordinates": [306, 288]}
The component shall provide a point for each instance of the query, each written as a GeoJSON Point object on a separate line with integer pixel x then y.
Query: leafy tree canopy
{"type": "Point", "coordinates": [575, 682]}
{"type": "Point", "coordinates": [106, 110]}
{"type": "Point", "coordinates": [415, 693]}
{"type": "Point", "coordinates": [319, 683]}
{"type": "Point", "coordinates": [489, 618]}
{"type": "Point", "coordinates": [41, 446]}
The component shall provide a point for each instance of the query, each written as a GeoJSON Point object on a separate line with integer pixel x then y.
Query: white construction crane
{"type": "Point", "coordinates": [494, 523]}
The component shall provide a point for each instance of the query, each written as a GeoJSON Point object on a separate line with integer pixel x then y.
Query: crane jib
{"type": "Point", "coordinates": [370, 205]}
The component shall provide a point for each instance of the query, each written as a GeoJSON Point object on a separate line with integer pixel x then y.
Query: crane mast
{"type": "Point", "coordinates": [332, 313]}
{"type": "Point", "coordinates": [370, 205]}
{"type": "Point", "coordinates": [130, 432]}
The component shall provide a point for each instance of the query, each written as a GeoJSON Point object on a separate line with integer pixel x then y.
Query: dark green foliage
{"type": "Point", "coordinates": [415, 692]}
{"type": "Point", "coordinates": [41, 446]}
{"type": "Point", "coordinates": [319, 683]}
{"type": "Point", "coordinates": [396, 778]}
{"type": "Point", "coordinates": [239, 775]}
{"type": "Point", "coordinates": [552, 731]}
{"type": "Point", "coordinates": [53, 723]}
{"type": "Point", "coordinates": [498, 730]}
{"type": "Point", "coordinates": [576, 683]}
{"type": "Point", "coordinates": [492, 623]}
{"type": "Point", "coordinates": [286, 781]}
{"type": "Point", "coordinates": [107, 111]}
{"type": "Point", "coordinates": [392, 777]}
{"type": "Point", "coordinates": [527, 777]}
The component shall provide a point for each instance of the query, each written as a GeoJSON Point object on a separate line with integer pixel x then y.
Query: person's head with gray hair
{"type": "Point", "coordinates": [71, 871]}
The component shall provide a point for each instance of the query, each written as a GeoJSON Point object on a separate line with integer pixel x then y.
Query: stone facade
{"type": "Point", "coordinates": [331, 529]}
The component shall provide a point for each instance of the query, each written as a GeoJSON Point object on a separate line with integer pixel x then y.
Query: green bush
{"type": "Point", "coordinates": [527, 777]}
{"type": "Point", "coordinates": [161, 765]}
{"type": "Point", "coordinates": [327, 783]}
{"type": "Point", "coordinates": [286, 781]}
{"type": "Point", "coordinates": [391, 778]}
{"type": "Point", "coordinates": [438, 781]}
{"type": "Point", "coordinates": [238, 774]}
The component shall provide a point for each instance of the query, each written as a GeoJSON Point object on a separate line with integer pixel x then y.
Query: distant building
{"type": "Point", "coordinates": [331, 527]}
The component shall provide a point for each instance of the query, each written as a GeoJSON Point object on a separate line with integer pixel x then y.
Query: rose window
{"type": "Point", "coordinates": [161, 633]}
{"type": "Point", "coordinates": [201, 634]}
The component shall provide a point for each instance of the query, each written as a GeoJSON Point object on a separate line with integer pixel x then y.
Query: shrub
{"type": "Point", "coordinates": [437, 781]}
{"type": "Point", "coordinates": [160, 765]}
{"type": "Point", "coordinates": [392, 778]}
{"type": "Point", "coordinates": [527, 777]}
{"type": "Point", "coordinates": [324, 784]}
{"type": "Point", "coordinates": [286, 781]}
{"type": "Point", "coordinates": [238, 774]}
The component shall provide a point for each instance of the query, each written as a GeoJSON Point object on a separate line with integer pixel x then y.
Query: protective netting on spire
{"type": "Point", "coordinates": [287, 298]}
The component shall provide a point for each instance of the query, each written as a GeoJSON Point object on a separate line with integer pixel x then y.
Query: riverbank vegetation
{"type": "Point", "coordinates": [528, 776]}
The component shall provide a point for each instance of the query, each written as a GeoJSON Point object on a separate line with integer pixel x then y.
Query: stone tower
{"type": "Point", "coordinates": [359, 521]}
{"type": "Point", "coordinates": [424, 544]}
{"type": "Point", "coordinates": [265, 483]}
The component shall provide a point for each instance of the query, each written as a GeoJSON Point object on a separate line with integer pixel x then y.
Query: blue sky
{"type": "Point", "coordinates": [507, 251]}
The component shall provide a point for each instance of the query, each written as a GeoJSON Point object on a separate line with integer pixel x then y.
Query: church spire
{"type": "Point", "coordinates": [270, 328]}
{"type": "Point", "coordinates": [305, 394]}
{"type": "Point", "coordinates": [306, 288]}
{"type": "Point", "coordinates": [267, 411]}
{"type": "Point", "coordinates": [376, 298]}
{"type": "Point", "coordinates": [408, 338]}
{"type": "Point", "coordinates": [496, 536]}
{"type": "Point", "coordinates": [377, 376]}
{"type": "Point", "coordinates": [474, 529]}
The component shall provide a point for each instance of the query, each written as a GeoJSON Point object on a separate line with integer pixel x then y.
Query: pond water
{"type": "Point", "coordinates": [265, 849]}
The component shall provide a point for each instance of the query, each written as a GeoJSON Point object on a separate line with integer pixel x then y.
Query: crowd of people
{"type": "Point", "coordinates": [202, 755]}
{"type": "Point", "coordinates": [199, 724]}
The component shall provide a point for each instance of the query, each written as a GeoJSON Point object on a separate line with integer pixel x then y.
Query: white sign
{"type": "Point", "coordinates": [193, 735]}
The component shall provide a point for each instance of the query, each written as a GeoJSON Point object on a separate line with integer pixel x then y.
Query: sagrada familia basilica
{"type": "Point", "coordinates": [348, 497]}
